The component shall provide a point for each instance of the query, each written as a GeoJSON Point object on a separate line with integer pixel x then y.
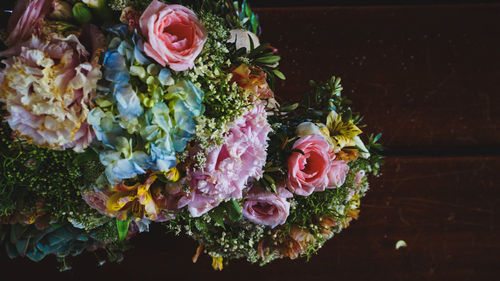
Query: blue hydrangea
{"type": "Point", "coordinates": [141, 131]}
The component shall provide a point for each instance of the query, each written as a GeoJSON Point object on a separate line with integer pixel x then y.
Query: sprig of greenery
{"type": "Point", "coordinates": [32, 175]}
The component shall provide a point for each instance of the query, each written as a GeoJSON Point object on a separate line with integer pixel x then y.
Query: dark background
{"type": "Point", "coordinates": [424, 73]}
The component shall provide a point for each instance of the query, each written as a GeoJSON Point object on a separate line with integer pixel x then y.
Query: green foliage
{"type": "Point", "coordinates": [122, 227]}
{"type": "Point", "coordinates": [307, 209]}
{"type": "Point", "coordinates": [107, 233]}
{"type": "Point", "coordinates": [235, 239]}
{"type": "Point", "coordinates": [230, 210]}
{"type": "Point", "coordinates": [234, 14]}
{"type": "Point", "coordinates": [246, 17]}
{"type": "Point", "coordinates": [30, 174]}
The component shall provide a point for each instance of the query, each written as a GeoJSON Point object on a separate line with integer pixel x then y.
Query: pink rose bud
{"type": "Point", "coordinates": [174, 35]}
{"type": "Point", "coordinates": [337, 173]}
{"type": "Point", "coordinates": [267, 208]}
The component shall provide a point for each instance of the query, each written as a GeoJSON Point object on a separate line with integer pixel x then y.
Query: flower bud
{"type": "Point", "coordinates": [61, 10]}
{"type": "Point", "coordinates": [82, 13]}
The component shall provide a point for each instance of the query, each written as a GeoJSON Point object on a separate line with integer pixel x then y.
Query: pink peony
{"type": "Point", "coordinates": [24, 21]}
{"type": "Point", "coordinates": [308, 172]}
{"type": "Point", "coordinates": [231, 165]}
{"type": "Point", "coordinates": [337, 173]}
{"type": "Point", "coordinates": [267, 208]}
{"type": "Point", "coordinates": [48, 88]}
{"type": "Point", "coordinates": [174, 35]}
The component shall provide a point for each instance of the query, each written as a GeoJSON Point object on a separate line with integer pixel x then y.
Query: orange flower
{"type": "Point", "coordinates": [326, 226]}
{"type": "Point", "coordinates": [253, 80]}
{"type": "Point", "coordinates": [348, 155]}
{"type": "Point", "coordinates": [297, 243]}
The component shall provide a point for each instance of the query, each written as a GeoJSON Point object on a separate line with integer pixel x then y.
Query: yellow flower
{"type": "Point", "coordinates": [217, 263]}
{"type": "Point", "coordinates": [341, 133]}
{"type": "Point", "coordinates": [136, 197]}
{"type": "Point", "coordinates": [172, 174]}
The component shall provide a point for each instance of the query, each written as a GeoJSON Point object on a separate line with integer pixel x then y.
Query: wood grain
{"type": "Point", "coordinates": [427, 77]}
{"type": "Point", "coordinates": [446, 210]}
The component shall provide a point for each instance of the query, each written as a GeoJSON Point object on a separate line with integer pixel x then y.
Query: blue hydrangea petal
{"type": "Point", "coordinates": [194, 97]}
{"type": "Point", "coordinates": [115, 67]}
{"type": "Point", "coordinates": [129, 104]}
{"type": "Point", "coordinates": [161, 117]}
{"type": "Point", "coordinates": [165, 77]}
{"type": "Point", "coordinates": [108, 157]}
{"type": "Point", "coordinates": [161, 159]}
{"type": "Point", "coordinates": [123, 169]}
{"type": "Point", "coordinates": [140, 57]}
{"type": "Point", "coordinates": [105, 127]}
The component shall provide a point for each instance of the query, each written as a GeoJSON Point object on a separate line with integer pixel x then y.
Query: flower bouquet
{"type": "Point", "coordinates": [121, 113]}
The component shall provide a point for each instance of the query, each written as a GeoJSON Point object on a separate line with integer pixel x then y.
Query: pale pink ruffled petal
{"type": "Point", "coordinates": [230, 166]}
{"type": "Point", "coordinates": [48, 88]}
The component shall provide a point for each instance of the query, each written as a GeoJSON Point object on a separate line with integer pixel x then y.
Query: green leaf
{"type": "Point", "coordinates": [254, 20]}
{"type": "Point", "coordinates": [268, 59]}
{"type": "Point", "coordinates": [85, 157]}
{"type": "Point", "coordinates": [200, 225]}
{"type": "Point", "coordinates": [122, 227]}
{"type": "Point", "coordinates": [279, 74]}
{"type": "Point", "coordinates": [217, 214]}
{"type": "Point", "coordinates": [290, 107]}
{"type": "Point", "coordinates": [248, 11]}
{"type": "Point", "coordinates": [252, 45]}
{"type": "Point", "coordinates": [259, 50]}
{"type": "Point", "coordinates": [273, 188]}
{"type": "Point", "coordinates": [233, 210]}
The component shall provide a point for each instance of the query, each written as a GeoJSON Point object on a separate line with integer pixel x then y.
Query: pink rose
{"type": "Point", "coordinates": [24, 21]}
{"type": "Point", "coordinates": [267, 208]}
{"type": "Point", "coordinates": [308, 172]}
{"type": "Point", "coordinates": [174, 35]}
{"type": "Point", "coordinates": [337, 173]}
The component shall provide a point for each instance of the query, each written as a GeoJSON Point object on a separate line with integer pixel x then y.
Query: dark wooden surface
{"type": "Point", "coordinates": [428, 77]}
